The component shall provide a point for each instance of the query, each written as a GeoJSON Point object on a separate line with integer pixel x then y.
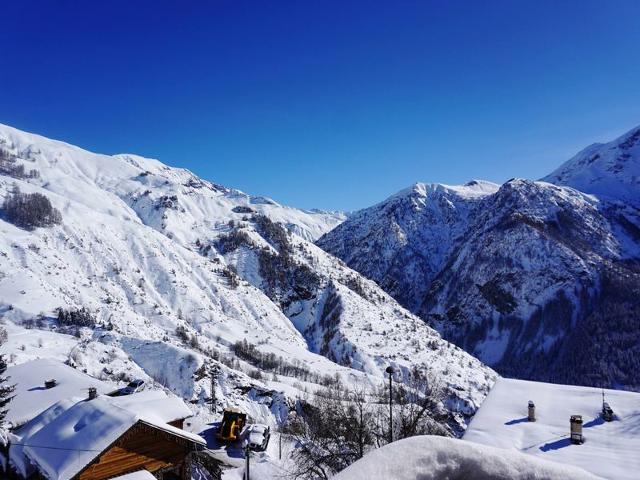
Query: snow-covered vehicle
{"type": "Point", "coordinates": [258, 437]}
{"type": "Point", "coordinates": [134, 386]}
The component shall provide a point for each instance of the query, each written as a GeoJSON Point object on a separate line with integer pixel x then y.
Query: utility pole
{"type": "Point", "coordinates": [279, 445]}
{"type": "Point", "coordinates": [215, 371]}
{"type": "Point", "coordinates": [389, 370]}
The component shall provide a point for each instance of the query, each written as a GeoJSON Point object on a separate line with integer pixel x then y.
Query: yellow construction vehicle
{"type": "Point", "coordinates": [233, 421]}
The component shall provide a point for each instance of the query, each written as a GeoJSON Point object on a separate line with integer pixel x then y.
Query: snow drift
{"type": "Point", "coordinates": [438, 458]}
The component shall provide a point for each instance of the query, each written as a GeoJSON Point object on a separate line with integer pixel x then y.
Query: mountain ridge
{"type": "Point", "coordinates": [512, 274]}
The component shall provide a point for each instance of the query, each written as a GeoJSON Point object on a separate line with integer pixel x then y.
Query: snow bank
{"type": "Point", "coordinates": [611, 449]}
{"type": "Point", "coordinates": [439, 458]}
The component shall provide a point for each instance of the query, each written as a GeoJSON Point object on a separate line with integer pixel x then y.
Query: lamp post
{"type": "Point", "coordinates": [389, 370]}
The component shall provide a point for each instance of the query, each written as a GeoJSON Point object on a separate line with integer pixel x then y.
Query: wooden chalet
{"type": "Point", "coordinates": [165, 454]}
{"type": "Point", "coordinates": [102, 437]}
{"type": "Point", "coordinates": [98, 440]}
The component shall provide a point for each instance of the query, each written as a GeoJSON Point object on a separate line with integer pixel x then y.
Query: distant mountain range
{"type": "Point", "coordinates": [539, 279]}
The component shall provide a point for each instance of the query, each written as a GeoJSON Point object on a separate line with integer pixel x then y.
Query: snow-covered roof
{"type": "Point", "coordinates": [434, 458]}
{"type": "Point", "coordinates": [154, 403]}
{"type": "Point", "coordinates": [16, 452]}
{"type": "Point", "coordinates": [31, 396]}
{"type": "Point", "coordinates": [78, 435]}
{"type": "Point", "coordinates": [69, 442]}
{"type": "Point", "coordinates": [139, 475]}
{"type": "Point", "coordinates": [611, 449]}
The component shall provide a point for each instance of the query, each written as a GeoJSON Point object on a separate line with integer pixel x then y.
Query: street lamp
{"type": "Point", "coordinates": [390, 370]}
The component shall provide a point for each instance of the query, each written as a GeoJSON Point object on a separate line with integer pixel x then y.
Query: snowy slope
{"type": "Point", "coordinates": [609, 170]}
{"type": "Point", "coordinates": [148, 248]}
{"type": "Point", "coordinates": [610, 449]}
{"type": "Point", "coordinates": [524, 276]}
{"type": "Point", "coordinates": [436, 458]}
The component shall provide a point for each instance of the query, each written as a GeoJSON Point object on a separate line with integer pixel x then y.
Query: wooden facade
{"type": "Point", "coordinates": [143, 446]}
{"type": "Point", "coordinates": [179, 423]}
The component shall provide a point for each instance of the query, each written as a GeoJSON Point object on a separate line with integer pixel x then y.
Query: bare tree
{"type": "Point", "coordinates": [344, 423]}
{"type": "Point", "coordinates": [419, 402]}
{"type": "Point", "coordinates": [333, 434]}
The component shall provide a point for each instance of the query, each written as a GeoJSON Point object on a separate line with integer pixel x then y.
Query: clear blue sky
{"type": "Point", "coordinates": [326, 104]}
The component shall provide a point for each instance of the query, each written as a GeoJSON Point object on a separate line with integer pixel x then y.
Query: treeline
{"type": "Point", "coordinates": [230, 242]}
{"type": "Point", "coordinates": [77, 317]}
{"type": "Point", "coordinates": [30, 210]}
{"type": "Point", "coordinates": [285, 279]}
{"type": "Point", "coordinates": [272, 363]}
{"type": "Point", "coordinates": [9, 166]}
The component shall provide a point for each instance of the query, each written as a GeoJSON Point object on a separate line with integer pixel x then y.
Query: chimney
{"type": "Point", "coordinates": [50, 383]}
{"type": "Point", "coordinates": [93, 393]}
{"type": "Point", "coordinates": [576, 429]}
{"type": "Point", "coordinates": [531, 412]}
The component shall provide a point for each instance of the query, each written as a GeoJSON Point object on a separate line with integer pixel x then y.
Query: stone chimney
{"type": "Point", "coordinates": [93, 393]}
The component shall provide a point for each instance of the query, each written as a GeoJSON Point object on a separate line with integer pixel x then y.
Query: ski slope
{"type": "Point", "coordinates": [611, 450]}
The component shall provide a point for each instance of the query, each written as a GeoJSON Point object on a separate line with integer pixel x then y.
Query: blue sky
{"type": "Point", "coordinates": [326, 104]}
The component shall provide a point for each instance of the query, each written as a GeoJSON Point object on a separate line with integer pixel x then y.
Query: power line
{"type": "Point", "coordinates": [55, 448]}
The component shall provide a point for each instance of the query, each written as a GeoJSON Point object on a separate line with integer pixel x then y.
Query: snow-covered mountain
{"type": "Point", "coordinates": [408, 236]}
{"type": "Point", "coordinates": [539, 280]}
{"type": "Point", "coordinates": [177, 270]}
{"type": "Point", "coordinates": [610, 170]}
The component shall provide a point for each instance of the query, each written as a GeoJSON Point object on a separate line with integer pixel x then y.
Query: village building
{"type": "Point", "coordinates": [76, 433]}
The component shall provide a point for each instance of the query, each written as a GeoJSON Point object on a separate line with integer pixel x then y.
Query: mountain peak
{"type": "Point", "coordinates": [471, 189]}
{"type": "Point", "coordinates": [608, 170]}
